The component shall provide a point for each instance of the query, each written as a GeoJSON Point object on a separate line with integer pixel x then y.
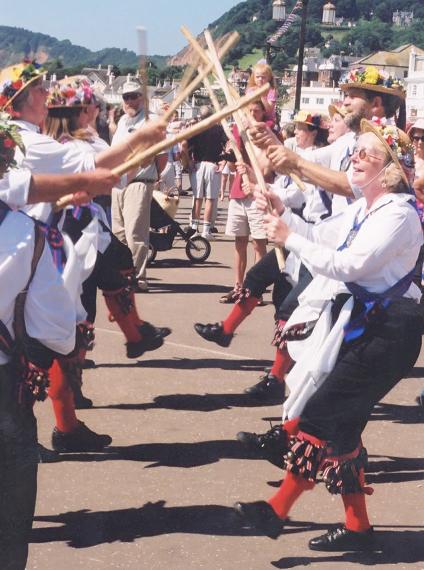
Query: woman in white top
{"type": "Point", "coordinates": [355, 334]}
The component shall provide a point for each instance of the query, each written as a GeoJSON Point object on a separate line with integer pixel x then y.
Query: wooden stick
{"type": "Point", "coordinates": [183, 94]}
{"type": "Point", "coordinates": [142, 48]}
{"type": "Point", "coordinates": [145, 155]}
{"type": "Point", "coordinates": [238, 117]}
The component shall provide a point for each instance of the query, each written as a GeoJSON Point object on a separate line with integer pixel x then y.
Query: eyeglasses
{"type": "Point", "coordinates": [418, 138]}
{"type": "Point", "coordinates": [363, 154]}
{"type": "Point", "coordinates": [131, 96]}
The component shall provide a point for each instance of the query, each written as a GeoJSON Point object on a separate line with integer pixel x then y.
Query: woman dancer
{"type": "Point", "coordinates": [355, 335]}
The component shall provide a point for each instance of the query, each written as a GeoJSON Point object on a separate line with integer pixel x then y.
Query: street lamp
{"type": "Point", "coordinates": [300, 57]}
{"type": "Point", "coordinates": [279, 15]}
{"type": "Point", "coordinates": [279, 10]}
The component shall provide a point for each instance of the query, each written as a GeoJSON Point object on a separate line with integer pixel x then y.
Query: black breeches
{"type": "Point", "coordinates": [289, 302]}
{"type": "Point", "coordinates": [366, 370]}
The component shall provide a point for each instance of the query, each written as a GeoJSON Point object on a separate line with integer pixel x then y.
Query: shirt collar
{"type": "Point", "coordinates": [25, 126]}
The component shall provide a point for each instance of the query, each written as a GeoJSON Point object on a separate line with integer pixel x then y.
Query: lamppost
{"type": "Point", "coordinates": [300, 57]}
{"type": "Point", "coordinates": [279, 15]}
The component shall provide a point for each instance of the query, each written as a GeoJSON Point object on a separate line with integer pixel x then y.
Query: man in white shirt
{"type": "Point", "coordinates": [131, 205]}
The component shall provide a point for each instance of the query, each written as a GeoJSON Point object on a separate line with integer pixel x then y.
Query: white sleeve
{"type": "Point", "coordinates": [45, 155]}
{"type": "Point", "coordinates": [387, 235]}
{"type": "Point", "coordinates": [14, 187]}
{"type": "Point", "coordinates": [49, 311]}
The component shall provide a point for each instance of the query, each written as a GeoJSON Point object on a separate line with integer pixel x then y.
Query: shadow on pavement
{"type": "Point", "coordinates": [394, 469]}
{"type": "Point", "coordinates": [392, 547]}
{"type": "Point", "coordinates": [187, 288]}
{"type": "Point", "coordinates": [193, 364]}
{"type": "Point", "coordinates": [194, 403]}
{"type": "Point", "coordinates": [170, 263]}
{"type": "Point", "coordinates": [417, 372]}
{"type": "Point", "coordinates": [398, 414]}
{"type": "Point", "coordinates": [178, 454]}
{"type": "Point", "coordinates": [83, 529]}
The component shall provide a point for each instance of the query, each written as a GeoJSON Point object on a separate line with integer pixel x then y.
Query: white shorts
{"type": "Point", "coordinates": [244, 219]}
{"type": "Point", "coordinates": [205, 180]}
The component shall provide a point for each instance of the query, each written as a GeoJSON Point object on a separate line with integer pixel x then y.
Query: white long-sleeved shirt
{"type": "Point", "coordinates": [44, 155]}
{"type": "Point", "coordinates": [49, 311]}
{"type": "Point", "coordinates": [384, 250]}
{"type": "Point", "coordinates": [14, 187]}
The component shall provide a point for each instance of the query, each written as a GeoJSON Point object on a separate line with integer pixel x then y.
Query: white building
{"type": "Point", "coordinates": [315, 98]}
{"type": "Point", "coordinates": [415, 87]}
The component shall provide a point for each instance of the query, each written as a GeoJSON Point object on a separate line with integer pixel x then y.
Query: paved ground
{"type": "Point", "coordinates": [160, 496]}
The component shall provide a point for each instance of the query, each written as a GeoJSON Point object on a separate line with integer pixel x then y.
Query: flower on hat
{"type": "Point", "coordinates": [9, 140]}
{"type": "Point", "coordinates": [404, 151]}
{"type": "Point", "coordinates": [370, 75]}
{"type": "Point", "coordinates": [76, 93]}
{"type": "Point", "coordinates": [18, 76]}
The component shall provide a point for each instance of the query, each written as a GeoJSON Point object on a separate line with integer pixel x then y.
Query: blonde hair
{"type": "Point", "coordinates": [264, 68]}
{"type": "Point", "coordinates": [62, 127]}
{"type": "Point", "coordinates": [394, 180]}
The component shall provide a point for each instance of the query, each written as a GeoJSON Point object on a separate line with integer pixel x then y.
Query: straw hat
{"type": "Point", "coordinates": [372, 79]}
{"type": "Point", "coordinates": [15, 78]}
{"type": "Point", "coordinates": [337, 108]}
{"type": "Point", "coordinates": [396, 142]}
{"type": "Point", "coordinates": [419, 124]}
{"type": "Point", "coordinates": [316, 120]}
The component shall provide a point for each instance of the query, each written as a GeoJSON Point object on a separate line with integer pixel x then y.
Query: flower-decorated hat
{"type": "Point", "coordinates": [70, 92]}
{"type": "Point", "coordinates": [9, 140]}
{"type": "Point", "coordinates": [316, 120]}
{"type": "Point", "coordinates": [372, 79]}
{"type": "Point", "coordinates": [396, 142]}
{"type": "Point", "coordinates": [15, 78]}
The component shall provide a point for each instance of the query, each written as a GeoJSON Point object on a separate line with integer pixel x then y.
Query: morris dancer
{"type": "Point", "coordinates": [355, 335]}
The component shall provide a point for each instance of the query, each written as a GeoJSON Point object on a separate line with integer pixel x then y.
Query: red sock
{"type": "Point", "coordinates": [356, 509]}
{"type": "Point", "coordinates": [238, 313]}
{"type": "Point", "coordinates": [282, 363]}
{"type": "Point", "coordinates": [292, 426]}
{"type": "Point", "coordinates": [62, 399]}
{"type": "Point", "coordinates": [288, 493]}
{"type": "Point", "coordinates": [128, 322]}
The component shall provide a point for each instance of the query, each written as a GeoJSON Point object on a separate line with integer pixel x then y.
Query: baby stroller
{"type": "Point", "coordinates": [164, 229]}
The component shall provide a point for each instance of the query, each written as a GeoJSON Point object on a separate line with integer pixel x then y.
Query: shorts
{"type": "Point", "coordinates": [205, 180]}
{"type": "Point", "coordinates": [245, 219]}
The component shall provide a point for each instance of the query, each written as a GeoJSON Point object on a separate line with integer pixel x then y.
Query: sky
{"type": "Point", "coordinates": [110, 23]}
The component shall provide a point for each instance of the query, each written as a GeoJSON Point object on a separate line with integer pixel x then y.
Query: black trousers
{"type": "Point", "coordinates": [18, 473]}
{"type": "Point", "coordinates": [366, 370]}
{"type": "Point", "coordinates": [284, 296]}
{"type": "Point", "coordinates": [106, 274]}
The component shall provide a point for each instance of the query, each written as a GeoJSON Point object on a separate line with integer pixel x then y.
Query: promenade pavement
{"type": "Point", "coordinates": [160, 496]}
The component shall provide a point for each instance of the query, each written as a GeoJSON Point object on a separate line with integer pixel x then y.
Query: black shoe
{"type": "Point", "coordinates": [151, 339]}
{"type": "Point", "coordinates": [214, 333]}
{"type": "Point", "coordinates": [47, 455]}
{"type": "Point", "coordinates": [267, 388]}
{"type": "Point", "coordinates": [88, 363]}
{"type": "Point", "coordinates": [272, 445]}
{"type": "Point", "coordinates": [214, 230]}
{"type": "Point", "coordinates": [163, 331]}
{"type": "Point", "coordinates": [182, 192]}
{"type": "Point", "coordinates": [261, 515]}
{"type": "Point", "coordinates": [189, 231]}
{"type": "Point", "coordinates": [80, 439]}
{"type": "Point", "coordinates": [342, 539]}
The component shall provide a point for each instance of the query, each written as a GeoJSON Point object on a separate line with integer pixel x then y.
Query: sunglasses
{"type": "Point", "coordinates": [418, 138]}
{"type": "Point", "coordinates": [131, 96]}
{"type": "Point", "coordinates": [363, 154]}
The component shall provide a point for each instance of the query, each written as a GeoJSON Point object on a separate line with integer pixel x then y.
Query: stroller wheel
{"type": "Point", "coordinates": [198, 249]}
{"type": "Point", "coordinates": [152, 254]}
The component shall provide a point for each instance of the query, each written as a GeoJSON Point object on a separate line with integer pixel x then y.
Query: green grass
{"type": "Point", "coordinates": [250, 59]}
